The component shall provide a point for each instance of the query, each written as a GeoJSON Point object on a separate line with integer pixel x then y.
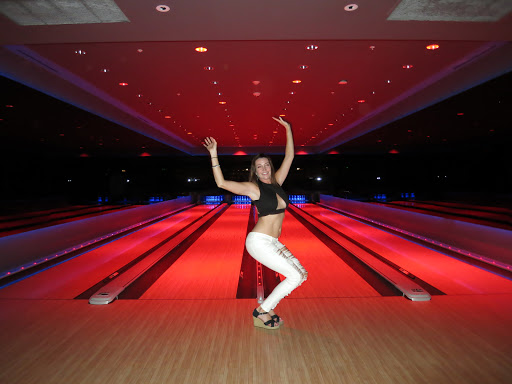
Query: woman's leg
{"type": "Point", "coordinates": [274, 255]}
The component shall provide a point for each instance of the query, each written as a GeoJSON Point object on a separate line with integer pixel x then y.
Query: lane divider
{"type": "Point", "coordinates": [399, 279]}
{"type": "Point", "coordinates": [110, 291]}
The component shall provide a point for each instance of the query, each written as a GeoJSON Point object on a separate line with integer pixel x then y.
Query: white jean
{"type": "Point", "coordinates": [274, 255]}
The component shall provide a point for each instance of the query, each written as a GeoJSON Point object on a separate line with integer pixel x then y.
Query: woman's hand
{"type": "Point", "coordinates": [282, 122]}
{"type": "Point", "coordinates": [210, 144]}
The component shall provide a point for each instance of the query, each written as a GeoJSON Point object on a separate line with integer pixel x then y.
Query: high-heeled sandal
{"type": "Point", "coordinates": [270, 324]}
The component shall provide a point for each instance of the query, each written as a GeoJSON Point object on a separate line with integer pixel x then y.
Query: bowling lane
{"type": "Point", "coordinates": [210, 268]}
{"type": "Point", "coordinates": [72, 277]}
{"type": "Point", "coordinates": [448, 274]}
{"type": "Point", "coordinates": [11, 227]}
{"type": "Point", "coordinates": [328, 275]}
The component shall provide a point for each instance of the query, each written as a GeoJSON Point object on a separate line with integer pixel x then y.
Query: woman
{"type": "Point", "coordinates": [264, 189]}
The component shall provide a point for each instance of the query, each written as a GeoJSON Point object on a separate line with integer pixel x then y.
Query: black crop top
{"type": "Point", "coordinates": [267, 203]}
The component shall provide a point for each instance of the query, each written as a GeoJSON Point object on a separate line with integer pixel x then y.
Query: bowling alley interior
{"type": "Point", "coordinates": [123, 261]}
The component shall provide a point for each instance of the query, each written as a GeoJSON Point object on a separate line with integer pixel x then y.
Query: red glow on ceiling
{"type": "Point", "coordinates": [201, 49]}
{"type": "Point", "coordinates": [84, 155]}
{"type": "Point", "coordinates": [460, 114]}
{"type": "Point", "coordinates": [144, 154]}
{"type": "Point", "coordinates": [240, 153]}
{"type": "Point", "coordinates": [432, 47]}
{"type": "Point", "coordinates": [394, 151]}
{"type": "Point", "coordinates": [9, 106]}
{"type": "Point", "coordinates": [333, 153]}
{"type": "Point", "coordinates": [123, 84]}
{"type": "Point", "coordinates": [302, 153]}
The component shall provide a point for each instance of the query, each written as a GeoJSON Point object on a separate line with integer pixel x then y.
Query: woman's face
{"type": "Point", "coordinates": [263, 170]}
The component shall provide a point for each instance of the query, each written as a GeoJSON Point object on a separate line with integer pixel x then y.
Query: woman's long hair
{"type": "Point", "coordinates": [253, 177]}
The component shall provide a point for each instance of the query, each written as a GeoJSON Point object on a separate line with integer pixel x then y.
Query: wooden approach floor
{"type": "Point", "coordinates": [451, 339]}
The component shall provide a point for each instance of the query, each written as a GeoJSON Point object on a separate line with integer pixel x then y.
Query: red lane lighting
{"type": "Point", "coordinates": [432, 47]}
{"type": "Point", "coordinates": [297, 81]}
{"type": "Point", "coordinates": [123, 84]}
{"type": "Point", "coordinates": [201, 49]}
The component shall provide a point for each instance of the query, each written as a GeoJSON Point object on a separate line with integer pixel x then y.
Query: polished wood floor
{"type": "Point", "coordinates": [451, 339]}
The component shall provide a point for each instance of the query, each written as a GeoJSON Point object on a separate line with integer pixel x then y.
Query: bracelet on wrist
{"type": "Point", "coordinates": [214, 157]}
{"type": "Point", "coordinates": [218, 165]}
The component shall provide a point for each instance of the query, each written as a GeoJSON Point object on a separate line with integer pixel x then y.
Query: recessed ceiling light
{"type": "Point", "coordinates": [312, 47]}
{"type": "Point", "coordinates": [343, 82]}
{"type": "Point", "coordinates": [123, 84]}
{"type": "Point", "coordinates": [167, 117]}
{"type": "Point", "coordinates": [297, 81]}
{"type": "Point", "coordinates": [140, 50]}
{"type": "Point", "coordinates": [351, 7]}
{"type": "Point", "coordinates": [256, 82]}
{"type": "Point", "coordinates": [408, 66]}
{"type": "Point", "coordinates": [215, 82]}
{"type": "Point", "coordinates": [139, 95]}
{"type": "Point", "coordinates": [303, 67]}
{"type": "Point", "coordinates": [80, 52]}
{"type": "Point", "coordinates": [432, 47]}
{"type": "Point", "coordinates": [256, 94]}
{"type": "Point", "coordinates": [201, 49]}
{"type": "Point", "coordinates": [222, 102]}
{"type": "Point", "coordinates": [163, 8]}
{"type": "Point", "coordinates": [361, 101]}
{"type": "Point", "coordinates": [208, 68]}
{"type": "Point", "coordinates": [105, 70]}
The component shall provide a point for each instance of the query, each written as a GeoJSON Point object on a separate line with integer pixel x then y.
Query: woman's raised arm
{"type": "Point", "coordinates": [238, 188]}
{"type": "Point", "coordinates": [289, 152]}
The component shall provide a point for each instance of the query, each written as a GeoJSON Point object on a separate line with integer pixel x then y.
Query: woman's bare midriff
{"type": "Point", "coordinates": [270, 225]}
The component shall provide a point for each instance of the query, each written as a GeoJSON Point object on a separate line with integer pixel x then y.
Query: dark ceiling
{"type": "Point", "coordinates": [366, 76]}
